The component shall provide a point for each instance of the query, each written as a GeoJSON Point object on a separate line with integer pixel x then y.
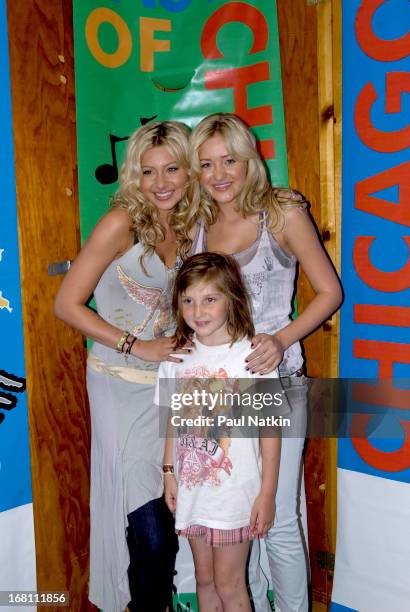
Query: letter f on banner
{"type": "Point", "coordinates": [149, 45]}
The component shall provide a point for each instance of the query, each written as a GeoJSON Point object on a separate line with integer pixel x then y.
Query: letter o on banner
{"type": "Point", "coordinates": [123, 51]}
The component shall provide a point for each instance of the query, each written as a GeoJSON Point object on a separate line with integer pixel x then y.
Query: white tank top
{"type": "Point", "coordinates": [269, 275]}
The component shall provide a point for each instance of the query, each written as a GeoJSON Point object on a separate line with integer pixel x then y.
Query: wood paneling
{"type": "Point", "coordinates": [42, 77]}
{"type": "Point", "coordinates": [42, 74]}
{"type": "Point", "coordinates": [313, 138]}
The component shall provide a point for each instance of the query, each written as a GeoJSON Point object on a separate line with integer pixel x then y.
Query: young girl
{"type": "Point", "coordinates": [129, 263]}
{"type": "Point", "coordinates": [221, 498]}
{"type": "Point", "coordinates": [268, 231]}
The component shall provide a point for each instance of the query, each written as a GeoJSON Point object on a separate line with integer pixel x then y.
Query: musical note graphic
{"type": "Point", "coordinates": [106, 174]}
{"type": "Point", "coordinates": [144, 120]}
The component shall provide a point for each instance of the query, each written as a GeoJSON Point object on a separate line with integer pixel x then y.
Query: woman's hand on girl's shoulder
{"type": "Point", "coordinates": [267, 354]}
{"type": "Point", "coordinates": [159, 349]}
{"type": "Point", "coordinates": [170, 491]}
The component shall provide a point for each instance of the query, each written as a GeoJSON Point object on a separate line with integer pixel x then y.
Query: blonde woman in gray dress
{"type": "Point", "coordinates": [129, 262]}
{"type": "Point", "coordinates": [235, 210]}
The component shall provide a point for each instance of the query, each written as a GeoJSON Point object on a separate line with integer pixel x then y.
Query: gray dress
{"type": "Point", "coordinates": [126, 449]}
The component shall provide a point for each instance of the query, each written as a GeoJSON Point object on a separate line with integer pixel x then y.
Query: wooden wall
{"type": "Point", "coordinates": [42, 75]}
{"type": "Point", "coordinates": [42, 79]}
{"type": "Point", "coordinates": [311, 65]}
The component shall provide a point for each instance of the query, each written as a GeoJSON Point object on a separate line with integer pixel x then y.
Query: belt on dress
{"type": "Point", "coordinates": [133, 375]}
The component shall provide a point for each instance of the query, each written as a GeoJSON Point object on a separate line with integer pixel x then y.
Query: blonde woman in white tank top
{"type": "Point", "coordinates": [234, 210]}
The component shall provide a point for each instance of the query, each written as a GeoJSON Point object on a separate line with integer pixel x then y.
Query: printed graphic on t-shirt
{"type": "Point", "coordinates": [202, 457]}
{"type": "Point", "coordinates": [200, 460]}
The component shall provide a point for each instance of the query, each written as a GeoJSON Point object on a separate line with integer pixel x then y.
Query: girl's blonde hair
{"type": "Point", "coordinates": [257, 195]}
{"type": "Point", "coordinates": [144, 215]}
{"type": "Point", "coordinates": [223, 271]}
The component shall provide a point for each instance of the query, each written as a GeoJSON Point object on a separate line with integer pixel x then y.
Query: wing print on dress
{"type": "Point", "coordinates": [163, 319]}
{"type": "Point", "coordinates": [150, 297]}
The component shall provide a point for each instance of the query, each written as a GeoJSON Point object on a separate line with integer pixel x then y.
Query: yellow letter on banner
{"type": "Point", "coordinates": [123, 51]}
{"type": "Point", "coordinates": [149, 44]}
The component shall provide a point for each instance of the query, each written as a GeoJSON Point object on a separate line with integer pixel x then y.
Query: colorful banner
{"type": "Point", "coordinates": [171, 59]}
{"type": "Point", "coordinates": [373, 537]}
{"type": "Point", "coordinates": [17, 550]}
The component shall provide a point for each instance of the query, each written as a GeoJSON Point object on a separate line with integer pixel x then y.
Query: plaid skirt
{"type": "Point", "coordinates": [218, 537]}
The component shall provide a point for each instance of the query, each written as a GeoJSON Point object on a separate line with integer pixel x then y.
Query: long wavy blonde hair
{"type": "Point", "coordinates": [257, 195]}
{"type": "Point", "coordinates": [144, 216]}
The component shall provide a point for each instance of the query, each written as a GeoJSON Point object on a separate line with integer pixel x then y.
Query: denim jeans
{"type": "Point", "coordinates": [153, 546]}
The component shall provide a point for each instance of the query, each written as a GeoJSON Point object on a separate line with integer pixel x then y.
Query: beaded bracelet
{"type": "Point", "coordinates": [168, 468]}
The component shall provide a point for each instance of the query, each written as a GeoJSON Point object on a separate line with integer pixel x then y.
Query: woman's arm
{"type": "Point", "coordinates": [300, 238]}
{"type": "Point", "coordinates": [170, 482]}
{"type": "Point", "coordinates": [263, 510]}
{"type": "Point", "coordinates": [110, 238]}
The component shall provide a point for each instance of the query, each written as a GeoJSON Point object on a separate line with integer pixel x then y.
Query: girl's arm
{"type": "Point", "coordinates": [110, 238]}
{"type": "Point", "coordinates": [299, 237]}
{"type": "Point", "coordinates": [263, 510]}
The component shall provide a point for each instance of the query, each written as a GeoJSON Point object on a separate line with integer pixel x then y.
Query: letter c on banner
{"type": "Point", "coordinates": [372, 45]}
{"type": "Point", "coordinates": [229, 12]}
{"type": "Point", "coordinates": [395, 461]}
{"type": "Point", "coordinates": [391, 282]}
{"type": "Point", "coordinates": [95, 19]}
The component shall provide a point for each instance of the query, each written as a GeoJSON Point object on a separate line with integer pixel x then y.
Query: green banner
{"type": "Point", "coordinates": [170, 59]}
{"type": "Point", "coordinates": [137, 62]}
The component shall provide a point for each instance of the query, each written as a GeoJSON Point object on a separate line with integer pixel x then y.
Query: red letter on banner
{"type": "Point", "coordinates": [377, 314]}
{"type": "Point", "coordinates": [238, 79]}
{"type": "Point", "coordinates": [383, 394]}
{"type": "Point", "coordinates": [395, 461]}
{"type": "Point", "coordinates": [385, 142]}
{"type": "Point", "coordinates": [372, 45]}
{"type": "Point", "coordinates": [396, 84]}
{"type": "Point", "coordinates": [399, 213]}
{"type": "Point", "coordinates": [375, 278]}
{"type": "Point", "coordinates": [386, 353]}
{"type": "Point", "coordinates": [234, 11]}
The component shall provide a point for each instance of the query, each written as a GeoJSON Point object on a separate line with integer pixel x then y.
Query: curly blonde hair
{"type": "Point", "coordinates": [145, 220]}
{"type": "Point", "coordinates": [257, 196]}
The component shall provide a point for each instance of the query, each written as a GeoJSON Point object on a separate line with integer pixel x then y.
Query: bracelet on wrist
{"type": "Point", "coordinates": [130, 344]}
{"type": "Point", "coordinates": [168, 468]}
{"type": "Point", "coordinates": [120, 344]}
{"type": "Point", "coordinates": [125, 343]}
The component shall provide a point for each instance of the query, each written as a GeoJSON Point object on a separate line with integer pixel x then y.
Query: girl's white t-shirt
{"type": "Point", "coordinates": [218, 477]}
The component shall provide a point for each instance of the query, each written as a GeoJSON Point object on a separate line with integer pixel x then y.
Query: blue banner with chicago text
{"type": "Point", "coordinates": [373, 538]}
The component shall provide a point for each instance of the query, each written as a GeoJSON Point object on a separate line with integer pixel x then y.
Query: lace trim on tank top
{"type": "Point", "coordinates": [245, 256]}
